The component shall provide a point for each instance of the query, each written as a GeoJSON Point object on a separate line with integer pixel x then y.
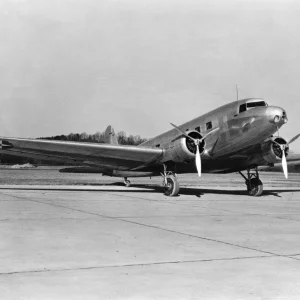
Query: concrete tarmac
{"type": "Point", "coordinates": [109, 242]}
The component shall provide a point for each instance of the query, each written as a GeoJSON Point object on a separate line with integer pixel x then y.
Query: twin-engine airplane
{"type": "Point", "coordinates": [235, 137]}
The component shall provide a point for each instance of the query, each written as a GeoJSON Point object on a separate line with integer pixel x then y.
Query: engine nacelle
{"type": "Point", "coordinates": [183, 148]}
{"type": "Point", "coordinates": [272, 152]}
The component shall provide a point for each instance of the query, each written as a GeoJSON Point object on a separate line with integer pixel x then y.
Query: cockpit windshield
{"type": "Point", "coordinates": [250, 105]}
{"type": "Point", "coordinates": [255, 104]}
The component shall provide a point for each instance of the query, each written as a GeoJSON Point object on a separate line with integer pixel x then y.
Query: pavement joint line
{"type": "Point", "coordinates": [126, 217]}
{"type": "Point", "coordinates": [295, 258]}
{"type": "Point", "coordinates": [41, 219]}
{"type": "Point", "coordinates": [138, 264]}
{"type": "Point", "coordinates": [159, 228]}
{"type": "Point", "coordinates": [103, 191]}
{"type": "Point", "coordinates": [63, 189]}
{"type": "Point", "coordinates": [253, 214]}
{"type": "Point", "coordinates": [139, 198]}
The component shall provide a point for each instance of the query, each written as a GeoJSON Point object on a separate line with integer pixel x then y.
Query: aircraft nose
{"type": "Point", "coordinates": [277, 115]}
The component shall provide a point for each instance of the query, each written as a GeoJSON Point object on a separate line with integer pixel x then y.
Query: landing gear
{"type": "Point", "coordinates": [170, 183]}
{"type": "Point", "coordinates": [126, 182]}
{"type": "Point", "coordinates": [254, 185]}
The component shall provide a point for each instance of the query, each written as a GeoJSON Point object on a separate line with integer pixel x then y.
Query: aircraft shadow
{"type": "Point", "coordinates": [200, 191]}
{"type": "Point", "coordinates": [146, 188]}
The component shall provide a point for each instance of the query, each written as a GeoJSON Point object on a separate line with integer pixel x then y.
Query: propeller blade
{"type": "Point", "coordinates": [284, 164]}
{"type": "Point", "coordinates": [183, 132]}
{"type": "Point", "coordinates": [204, 137]}
{"type": "Point", "coordinates": [294, 139]}
{"type": "Point", "coordinates": [198, 161]}
{"type": "Point", "coordinates": [216, 129]}
{"type": "Point", "coordinates": [277, 143]}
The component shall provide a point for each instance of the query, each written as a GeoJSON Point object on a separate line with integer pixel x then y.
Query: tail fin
{"type": "Point", "coordinates": [110, 136]}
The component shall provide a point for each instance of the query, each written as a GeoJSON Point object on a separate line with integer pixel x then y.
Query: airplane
{"type": "Point", "coordinates": [236, 137]}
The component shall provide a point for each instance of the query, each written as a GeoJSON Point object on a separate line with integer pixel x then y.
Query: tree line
{"type": "Point", "coordinates": [98, 137]}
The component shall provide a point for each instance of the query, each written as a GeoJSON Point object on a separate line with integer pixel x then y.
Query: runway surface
{"type": "Point", "coordinates": [84, 236]}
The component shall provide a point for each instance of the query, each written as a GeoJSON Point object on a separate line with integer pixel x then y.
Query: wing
{"type": "Point", "coordinates": [293, 157]}
{"type": "Point", "coordinates": [254, 155]}
{"type": "Point", "coordinates": [117, 157]}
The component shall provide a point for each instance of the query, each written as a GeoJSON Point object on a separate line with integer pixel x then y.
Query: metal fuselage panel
{"type": "Point", "coordinates": [237, 132]}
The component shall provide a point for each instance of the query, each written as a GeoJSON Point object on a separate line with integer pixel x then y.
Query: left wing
{"type": "Point", "coordinates": [118, 157]}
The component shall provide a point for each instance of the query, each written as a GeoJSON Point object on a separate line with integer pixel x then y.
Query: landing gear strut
{"type": "Point", "coordinates": [126, 182]}
{"type": "Point", "coordinates": [170, 183]}
{"type": "Point", "coordinates": [253, 183]}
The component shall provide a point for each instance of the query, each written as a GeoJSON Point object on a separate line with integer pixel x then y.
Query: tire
{"type": "Point", "coordinates": [127, 183]}
{"type": "Point", "coordinates": [172, 187]}
{"type": "Point", "coordinates": [256, 187]}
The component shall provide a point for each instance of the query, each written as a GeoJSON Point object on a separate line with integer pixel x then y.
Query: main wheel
{"type": "Point", "coordinates": [255, 187]}
{"type": "Point", "coordinates": [172, 187]}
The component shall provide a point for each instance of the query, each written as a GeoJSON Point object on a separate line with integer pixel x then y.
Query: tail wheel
{"type": "Point", "coordinates": [255, 187]}
{"type": "Point", "coordinates": [127, 183]}
{"type": "Point", "coordinates": [171, 186]}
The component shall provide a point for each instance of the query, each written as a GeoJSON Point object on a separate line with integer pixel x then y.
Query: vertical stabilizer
{"type": "Point", "coordinates": [110, 136]}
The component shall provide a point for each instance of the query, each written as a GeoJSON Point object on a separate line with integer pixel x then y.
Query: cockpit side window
{"type": "Point", "coordinates": [243, 107]}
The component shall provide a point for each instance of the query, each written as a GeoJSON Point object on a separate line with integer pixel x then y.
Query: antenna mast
{"type": "Point", "coordinates": [237, 92]}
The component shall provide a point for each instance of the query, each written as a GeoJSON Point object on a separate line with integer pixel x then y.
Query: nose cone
{"type": "Point", "coordinates": [276, 115]}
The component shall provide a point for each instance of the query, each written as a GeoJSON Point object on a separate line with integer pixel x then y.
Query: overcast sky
{"type": "Point", "coordinates": [80, 65]}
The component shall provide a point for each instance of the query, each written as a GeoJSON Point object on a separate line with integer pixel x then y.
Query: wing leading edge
{"type": "Point", "coordinates": [118, 157]}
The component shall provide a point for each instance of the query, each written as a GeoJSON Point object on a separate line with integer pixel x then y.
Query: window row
{"type": "Point", "coordinates": [208, 127]}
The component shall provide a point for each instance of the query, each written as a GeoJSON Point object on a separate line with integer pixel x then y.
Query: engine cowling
{"type": "Point", "coordinates": [272, 152]}
{"type": "Point", "coordinates": [183, 148]}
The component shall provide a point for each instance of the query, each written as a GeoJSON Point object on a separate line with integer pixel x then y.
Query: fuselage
{"type": "Point", "coordinates": [234, 137]}
{"type": "Point", "coordinates": [242, 124]}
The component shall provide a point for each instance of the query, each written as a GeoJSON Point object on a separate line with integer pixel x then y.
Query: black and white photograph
{"type": "Point", "coordinates": [149, 149]}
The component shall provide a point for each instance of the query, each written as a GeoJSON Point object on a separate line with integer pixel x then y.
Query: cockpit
{"type": "Point", "coordinates": [252, 104]}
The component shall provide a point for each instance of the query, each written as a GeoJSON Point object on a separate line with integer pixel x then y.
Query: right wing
{"type": "Point", "coordinates": [107, 156]}
{"type": "Point", "coordinates": [293, 157]}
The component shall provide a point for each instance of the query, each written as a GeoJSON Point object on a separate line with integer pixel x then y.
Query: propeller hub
{"type": "Point", "coordinates": [195, 142]}
{"type": "Point", "coordinates": [279, 146]}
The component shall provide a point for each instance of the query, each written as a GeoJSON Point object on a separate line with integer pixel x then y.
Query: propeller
{"type": "Point", "coordinates": [198, 160]}
{"type": "Point", "coordinates": [294, 139]}
{"type": "Point", "coordinates": [284, 164]}
{"type": "Point", "coordinates": [283, 147]}
{"type": "Point", "coordinates": [197, 144]}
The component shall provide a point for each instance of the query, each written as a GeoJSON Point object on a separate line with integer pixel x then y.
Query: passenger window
{"type": "Point", "coordinates": [243, 107]}
{"type": "Point", "coordinates": [208, 125]}
{"type": "Point", "coordinates": [198, 129]}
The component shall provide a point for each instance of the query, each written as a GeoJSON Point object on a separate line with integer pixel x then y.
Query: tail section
{"type": "Point", "coordinates": [110, 136]}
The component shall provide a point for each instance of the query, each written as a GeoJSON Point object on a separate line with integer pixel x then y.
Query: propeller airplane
{"type": "Point", "coordinates": [235, 137]}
